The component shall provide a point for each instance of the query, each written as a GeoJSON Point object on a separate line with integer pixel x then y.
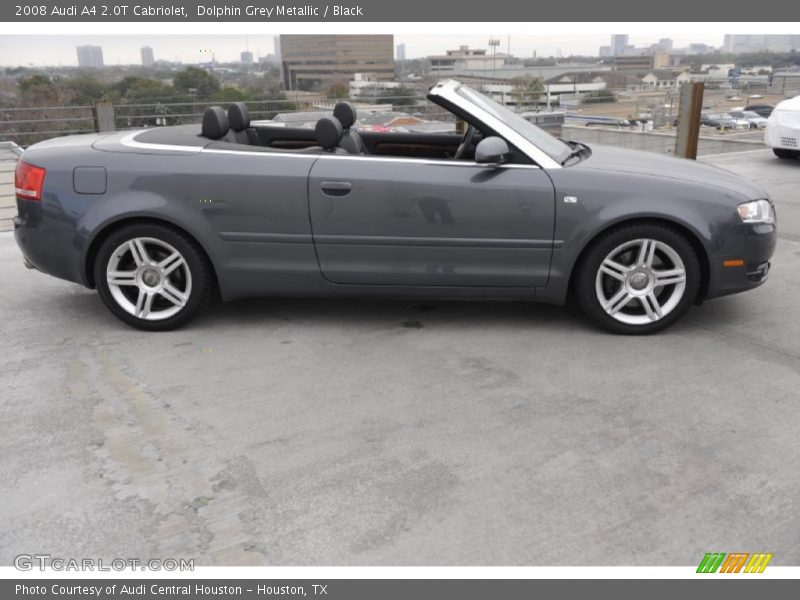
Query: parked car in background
{"type": "Point", "coordinates": [782, 133]}
{"type": "Point", "coordinates": [159, 219]}
{"type": "Point", "coordinates": [754, 120]}
{"type": "Point", "coordinates": [595, 120]}
{"type": "Point", "coordinates": [764, 110]}
{"type": "Point", "coordinates": [718, 121]}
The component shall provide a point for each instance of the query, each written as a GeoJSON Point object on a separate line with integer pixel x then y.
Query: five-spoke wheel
{"type": "Point", "coordinates": [152, 276]}
{"type": "Point", "coordinates": [638, 278]}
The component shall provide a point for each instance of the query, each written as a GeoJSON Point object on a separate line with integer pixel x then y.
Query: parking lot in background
{"type": "Point", "coordinates": [367, 432]}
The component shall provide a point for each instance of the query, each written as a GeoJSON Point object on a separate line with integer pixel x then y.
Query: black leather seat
{"type": "Point", "coordinates": [215, 123]}
{"type": "Point", "coordinates": [351, 141]}
{"type": "Point", "coordinates": [239, 120]}
{"type": "Point", "coordinates": [328, 133]}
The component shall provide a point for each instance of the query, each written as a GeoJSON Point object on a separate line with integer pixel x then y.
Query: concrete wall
{"type": "Point", "coordinates": [653, 141]}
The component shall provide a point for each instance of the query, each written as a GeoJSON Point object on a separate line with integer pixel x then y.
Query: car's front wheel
{"type": "Point", "coordinates": [638, 279]}
{"type": "Point", "coordinates": [152, 276]}
{"type": "Point", "coordinates": [784, 153]}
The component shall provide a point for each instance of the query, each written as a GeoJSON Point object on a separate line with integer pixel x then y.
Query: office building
{"type": "Point", "coordinates": [401, 51]}
{"type": "Point", "coordinates": [740, 43]}
{"type": "Point", "coordinates": [308, 61]}
{"type": "Point", "coordinates": [148, 60]}
{"type": "Point", "coordinates": [246, 57]}
{"type": "Point", "coordinates": [90, 57]}
{"type": "Point", "coordinates": [619, 45]}
{"type": "Point", "coordinates": [466, 59]}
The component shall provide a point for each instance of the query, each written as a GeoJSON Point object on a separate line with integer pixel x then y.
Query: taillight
{"type": "Point", "coordinates": [28, 181]}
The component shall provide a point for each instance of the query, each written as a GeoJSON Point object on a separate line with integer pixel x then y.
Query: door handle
{"type": "Point", "coordinates": [336, 188]}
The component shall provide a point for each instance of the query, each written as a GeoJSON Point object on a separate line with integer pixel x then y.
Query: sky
{"type": "Point", "coordinates": [41, 50]}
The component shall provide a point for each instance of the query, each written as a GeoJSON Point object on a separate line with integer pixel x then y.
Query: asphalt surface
{"type": "Point", "coordinates": [371, 432]}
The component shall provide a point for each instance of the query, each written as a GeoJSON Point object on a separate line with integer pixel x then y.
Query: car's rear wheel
{"type": "Point", "coordinates": [638, 279]}
{"type": "Point", "coordinates": [152, 276]}
{"type": "Point", "coordinates": [784, 153]}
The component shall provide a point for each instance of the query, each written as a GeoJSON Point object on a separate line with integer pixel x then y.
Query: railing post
{"type": "Point", "coordinates": [689, 109]}
{"type": "Point", "coordinates": [103, 113]}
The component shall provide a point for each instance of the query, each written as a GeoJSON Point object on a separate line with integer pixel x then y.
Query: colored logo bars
{"type": "Point", "coordinates": [734, 563]}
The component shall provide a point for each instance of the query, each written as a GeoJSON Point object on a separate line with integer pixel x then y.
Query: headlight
{"type": "Point", "coordinates": [757, 211]}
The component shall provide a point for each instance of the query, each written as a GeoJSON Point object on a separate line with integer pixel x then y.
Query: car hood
{"type": "Point", "coordinates": [638, 162]}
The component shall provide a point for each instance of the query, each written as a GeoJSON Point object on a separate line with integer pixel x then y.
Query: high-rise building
{"type": "Point", "coordinates": [619, 45]}
{"type": "Point", "coordinates": [90, 56]}
{"type": "Point", "coordinates": [758, 42]}
{"type": "Point", "coordinates": [277, 40]}
{"type": "Point", "coordinates": [147, 56]}
{"type": "Point", "coordinates": [401, 51]}
{"type": "Point", "coordinates": [309, 60]}
{"type": "Point", "coordinates": [246, 57]}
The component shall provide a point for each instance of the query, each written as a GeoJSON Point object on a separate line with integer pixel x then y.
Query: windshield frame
{"type": "Point", "coordinates": [448, 92]}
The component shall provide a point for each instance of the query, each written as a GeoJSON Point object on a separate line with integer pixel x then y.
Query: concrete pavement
{"type": "Point", "coordinates": [371, 432]}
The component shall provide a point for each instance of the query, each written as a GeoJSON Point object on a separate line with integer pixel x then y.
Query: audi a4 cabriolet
{"type": "Point", "coordinates": [159, 219]}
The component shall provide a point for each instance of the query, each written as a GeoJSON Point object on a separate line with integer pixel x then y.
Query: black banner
{"type": "Point", "coordinates": [391, 11]}
{"type": "Point", "coordinates": [713, 586]}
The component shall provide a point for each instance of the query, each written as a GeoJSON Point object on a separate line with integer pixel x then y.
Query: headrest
{"type": "Point", "coordinates": [328, 132]}
{"type": "Point", "coordinates": [346, 113]}
{"type": "Point", "coordinates": [238, 116]}
{"type": "Point", "coordinates": [215, 123]}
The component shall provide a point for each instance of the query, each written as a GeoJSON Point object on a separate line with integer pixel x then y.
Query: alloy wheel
{"type": "Point", "coordinates": [640, 281]}
{"type": "Point", "coordinates": [149, 278]}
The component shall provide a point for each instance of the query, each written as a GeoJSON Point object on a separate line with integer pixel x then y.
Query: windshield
{"type": "Point", "coordinates": [553, 147]}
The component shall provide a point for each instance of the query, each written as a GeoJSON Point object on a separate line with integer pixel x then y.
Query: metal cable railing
{"type": "Point", "coordinates": [620, 107]}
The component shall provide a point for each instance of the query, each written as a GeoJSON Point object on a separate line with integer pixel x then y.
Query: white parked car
{"type": "Point", "coordinates": [782, 133]}
{"type": "Point", "coordinates": [755, 120]}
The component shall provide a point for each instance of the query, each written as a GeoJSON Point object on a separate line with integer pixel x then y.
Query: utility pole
{"type": "Point", "coordinates": [688, 134]}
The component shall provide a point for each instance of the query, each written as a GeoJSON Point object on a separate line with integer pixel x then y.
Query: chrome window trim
{"type": "Point", "coordinates": [448, 90]}
{"type": "Point", "coordinates": [421, 161]}
{"type": "Point", "coordinates": [130, 142]}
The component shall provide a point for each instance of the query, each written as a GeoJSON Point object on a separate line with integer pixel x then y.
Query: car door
{"type": "Point", "coordinates": [420, 222]}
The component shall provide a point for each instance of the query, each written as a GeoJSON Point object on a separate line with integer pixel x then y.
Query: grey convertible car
{"type": "Point", "coordinates": [159, 219]}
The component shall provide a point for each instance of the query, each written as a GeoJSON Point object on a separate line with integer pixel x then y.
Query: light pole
{"type": "Point", "coordinates": [493, 44]}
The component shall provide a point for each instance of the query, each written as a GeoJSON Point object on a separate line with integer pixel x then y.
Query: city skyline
{"type": "Point", "coordinates": [196, 49]}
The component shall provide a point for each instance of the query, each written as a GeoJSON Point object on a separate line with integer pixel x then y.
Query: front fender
{"type": "Point", "coordinates": [705, 212]}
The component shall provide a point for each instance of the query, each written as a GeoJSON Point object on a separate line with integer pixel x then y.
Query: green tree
{"type": "Point", "coordinates": [338, 90]}
{"type": "Point", "coordinates": [193, 78]}
{"type": "Point", "coordinates": [82, 90]}
{"type": "Point", "coordinates": [230, 94]}
{"type": "Point", "coordinates": [38, 90]}
{"type": "Point", "coordinates": [148, 90]}
{"type": "Point", "coordinates": [526, 90]}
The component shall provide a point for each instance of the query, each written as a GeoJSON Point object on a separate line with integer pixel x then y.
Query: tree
{"type": "Point", "coordinates": [338, 90]}
{"type": "Point", "coordinates": [192, 78]}
{"type": "Point", "coordinates": [230, 94]}
{"type": "Point", "coordinates": [526, 90]}
{"type": "Point", "coordinates": [38, 90]}
{"type": "Point", "coordinates": [82, 90]}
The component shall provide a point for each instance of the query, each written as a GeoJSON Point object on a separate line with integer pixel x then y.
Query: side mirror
{"type": "Point", "coordinates": [491, 151]}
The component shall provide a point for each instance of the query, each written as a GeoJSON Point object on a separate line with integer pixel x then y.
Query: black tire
{"type": "Point", "coordinates": [200, 277]}
{"type": "Point", "coordinates": [787, 154]}
{"type": "Point", "coordinates": [586, 274]}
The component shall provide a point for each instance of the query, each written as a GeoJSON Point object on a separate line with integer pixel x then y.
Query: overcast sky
{"type": "Point", "coordinates": [121, 49]}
